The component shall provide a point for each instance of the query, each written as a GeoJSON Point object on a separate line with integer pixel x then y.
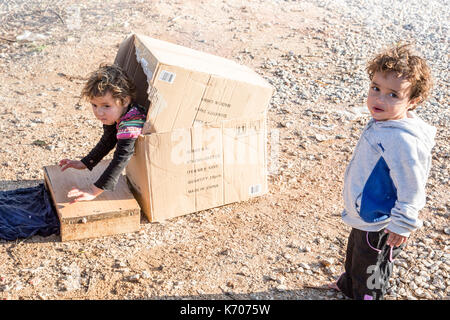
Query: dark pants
{"type": "Point", "coordinates": [368, 265]}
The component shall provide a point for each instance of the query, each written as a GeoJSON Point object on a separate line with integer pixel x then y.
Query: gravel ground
{"type": "Point", "coordinates": [287, 244]}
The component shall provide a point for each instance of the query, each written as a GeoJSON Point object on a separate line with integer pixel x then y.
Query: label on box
{"type": "Point", "coordinates": [167, 76]}
{"type": "Point", "coordinates": [254, 189]}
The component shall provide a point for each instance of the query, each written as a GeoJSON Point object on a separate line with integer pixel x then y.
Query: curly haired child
{"type": "Point", "coordinates": [384, 183]}
{"type": "Point", "coordinates": [112, 95]}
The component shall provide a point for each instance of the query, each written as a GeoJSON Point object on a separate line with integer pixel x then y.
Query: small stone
{"type": "Point", "coordinates": [347, 149]}
{"type": "Point", "coordinates": [293, 180]}
{"type": "Point", "coordinates": [447, 230]}
{"type": "Point", "coordinates": [119, 264]}
{"type": "Point", "coordinates": [319, 240]}
{"type": "Point", "coordinates": [294, 243]}
{"type": "Point", "coordinates": [288, 257]}
{"type": "Point", "coordinates": [331, 270]}
{"type": "Point", "coordinates": [289, 124]}
{"type": "Point", "coordinates": [42, 296]}
{"type": "Point", "coordinates": [281, 287]}
{"type": "Point", "coordinates": [327, 262]}
{"type": "Point", "coordinates": [304, 266]}
{"type": "Point", "coordinates": [419, 292]}
{"type": "Point", "coordinates": [134, 278]}
{"type": "Point", "coordinates": [321, 137]}
{"type": "Point", "coordinates": [40, 143]}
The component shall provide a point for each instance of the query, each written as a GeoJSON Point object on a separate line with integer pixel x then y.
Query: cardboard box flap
{"type": "Point", "coordinates": [182, 87]}
{"type": "Point", "coordinates": [245, 159]}
{"type": "Point", "coordinates": [126, 45]}
{"type": "Point", "coordinates": [190, 59]}
{"type": "Point", "coordinates": [193, 169]}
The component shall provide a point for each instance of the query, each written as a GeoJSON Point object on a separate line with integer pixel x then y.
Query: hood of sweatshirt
{"type": "Point", "coordinates": [415, 126]}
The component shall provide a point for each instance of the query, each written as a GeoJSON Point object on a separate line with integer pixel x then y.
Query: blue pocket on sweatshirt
{"type": "Point", "coordinates": [379, 194]}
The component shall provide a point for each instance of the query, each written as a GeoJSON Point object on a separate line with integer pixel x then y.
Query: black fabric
{"type": "Point", "coordinates": [124, 151]}
{"type": "Point", "coordinates": [26, 212]}
{"type": "Point", "coordinates": [368, 265]}
{"type": "Point", "coordinates": [102, 148]}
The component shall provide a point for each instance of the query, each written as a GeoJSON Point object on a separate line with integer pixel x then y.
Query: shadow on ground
{"type": "Point", "coordinates": [305, 293]}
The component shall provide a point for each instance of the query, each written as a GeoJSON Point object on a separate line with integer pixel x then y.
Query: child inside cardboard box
{"type": "Point", "coordinates": [112, 95]}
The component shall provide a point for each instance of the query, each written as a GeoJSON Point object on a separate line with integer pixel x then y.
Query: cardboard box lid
{"type": "Point", "coordinates": [183, 87]}
{"type": "Point", "coordinates": [175, 55]}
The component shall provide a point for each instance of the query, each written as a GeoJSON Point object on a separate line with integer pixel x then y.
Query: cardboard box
{"type": "Point", "coordinates": [182, 87]}
{"type": "Point", "coordinates": [112, 212]}
{"type": "Point", "coordinates": [192, 169]}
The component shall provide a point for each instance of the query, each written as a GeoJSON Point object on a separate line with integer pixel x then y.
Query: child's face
{"type": "Point", "coordinates": [107, 109]}
{"type": "Point", "coordinates": [388, 97]}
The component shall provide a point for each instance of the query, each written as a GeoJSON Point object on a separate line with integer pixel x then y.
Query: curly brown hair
{"type": "Point", "coordinates": [109, 78]}
{"type": "Point", "coordinates": [404, 63]}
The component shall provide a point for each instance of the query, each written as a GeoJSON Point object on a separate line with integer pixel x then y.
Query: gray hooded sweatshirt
{"type": "Point", "coordinates": [384, 184]}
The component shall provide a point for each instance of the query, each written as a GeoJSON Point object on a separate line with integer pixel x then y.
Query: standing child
{"type": "Point", "coordinates": [112, 96]}
{"type": "Point", "coordinates": [384, 183]}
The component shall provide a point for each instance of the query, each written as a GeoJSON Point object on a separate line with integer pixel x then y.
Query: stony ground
{"type": "Point", "coordinates": [286, 244]}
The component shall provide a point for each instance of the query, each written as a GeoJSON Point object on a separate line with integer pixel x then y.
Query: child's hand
{"type": "Point", "coordinates": [84, 195]}
{"type": "Point", "coordinates": [67, 163]}
{"type": "Point", "coordinates": [394, 239]}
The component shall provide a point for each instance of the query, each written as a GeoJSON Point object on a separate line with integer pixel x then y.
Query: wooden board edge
{"type": "Point", "coordinates": [110, 227]}
{"type": "Point", "coordinates": [48, 186]}
{"type": "Point", "coordinates": [102, 216]}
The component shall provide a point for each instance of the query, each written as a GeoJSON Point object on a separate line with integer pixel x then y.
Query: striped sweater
{"type": "Point", "coordinates": [130, 125]}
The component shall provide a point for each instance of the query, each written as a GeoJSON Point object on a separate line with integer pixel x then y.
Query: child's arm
{"type": "Point", "coordinates": [122, 155]}
{"type": "Point", "coordinates": [110, 177]}
{"type": "Point", "coordinates": [102, 148]}
{"type": "Point", "coordinates": [409, 167]}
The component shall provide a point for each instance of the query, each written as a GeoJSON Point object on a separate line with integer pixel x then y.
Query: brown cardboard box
{"type": "Point", "coordinates": [192, 169]}
{"type": "Point", "coordinates": [111, 213]}
{"type": "Point", "coordinates": [183, 87]}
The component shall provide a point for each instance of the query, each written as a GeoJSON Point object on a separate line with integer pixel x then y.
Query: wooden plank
{"type": "Point", "coordinates": [100, 228]}
{"type": "Point", "coordinates": [110, 213]}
